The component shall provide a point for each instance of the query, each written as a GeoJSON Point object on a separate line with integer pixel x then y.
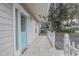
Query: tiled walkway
{"type": "Point", "coordinates": [42, 47]}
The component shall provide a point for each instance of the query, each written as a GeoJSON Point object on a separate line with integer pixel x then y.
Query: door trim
{"type": "Point", "coordinates": [21, 10]}
{"type": "Point", "coordinates": [16, 6]}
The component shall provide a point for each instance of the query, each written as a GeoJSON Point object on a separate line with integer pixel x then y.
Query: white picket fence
{"type": "Point", "coordinates": [69, 47]}
{"type": "Point", "coordinates": [51, 36]}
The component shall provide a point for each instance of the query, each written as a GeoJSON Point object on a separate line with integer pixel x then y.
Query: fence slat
{"type": "Point", "coordinates": [66, 41]}
{"type": "Point", "coordinates": [68, 48]}
{"type": "Point", "coordinates": [51, 36]}
{"type": "Point", "coordinates": [78, 49]}
{"type": "Point", "coordinates": [73, 46]}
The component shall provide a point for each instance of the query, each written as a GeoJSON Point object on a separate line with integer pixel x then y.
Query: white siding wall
{"type": "Point", "coordinates": [6, 29]}
{"type": "Point", "coordinates": [32, 34]}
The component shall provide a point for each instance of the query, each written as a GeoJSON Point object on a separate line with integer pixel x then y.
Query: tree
{"type": "Point", "coordinates": [59, 12]}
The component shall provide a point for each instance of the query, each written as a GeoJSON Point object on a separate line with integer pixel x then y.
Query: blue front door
{"type": "Point", "coordinates": [23, 31]}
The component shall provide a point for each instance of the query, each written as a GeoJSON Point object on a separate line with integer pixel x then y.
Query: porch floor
{"type": "Point", "coordinates": [42, 47]}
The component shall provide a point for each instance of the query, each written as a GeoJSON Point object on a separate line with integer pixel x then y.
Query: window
{"type": "Point", "coordinates": [23, 23]}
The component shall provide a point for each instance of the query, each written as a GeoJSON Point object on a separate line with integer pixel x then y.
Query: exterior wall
{"type": "Point", "coordinates": [33, 30]}
{"type": "Point", "coordinates": [6, 29]}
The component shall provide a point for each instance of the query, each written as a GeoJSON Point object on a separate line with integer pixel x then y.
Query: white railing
{"type": "Point", "coordinates": [69, 47]}
{"type": "Point", "coordinates": [51, 37]}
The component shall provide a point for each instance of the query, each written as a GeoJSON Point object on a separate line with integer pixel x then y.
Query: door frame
{"type": "Point", "coordinates": [20, 10]}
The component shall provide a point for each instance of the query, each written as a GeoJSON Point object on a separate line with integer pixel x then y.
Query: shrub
{"type": "Point", "coordinates": [67, 30]}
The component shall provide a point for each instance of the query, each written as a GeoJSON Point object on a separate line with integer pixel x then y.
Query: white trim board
{"type": "Point", "coordinates": [20, 10]}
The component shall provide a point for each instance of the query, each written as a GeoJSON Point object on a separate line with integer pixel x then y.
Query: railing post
{"type": "Point", "coordinates": [53, 39]}
{"type": "Point", "coordinates": [69, 48]}
{"type": "Point", "coordinates": [73, 46]}
{"type": "Point", "coordinates": [66, 42]}
{"type": "Point", "coordinates": [78, 50]}
{"type": "Point", "coordinates": [51, 36]}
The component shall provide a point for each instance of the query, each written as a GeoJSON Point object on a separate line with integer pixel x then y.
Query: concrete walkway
{"type": "Point", "coordinates": [42, 47]}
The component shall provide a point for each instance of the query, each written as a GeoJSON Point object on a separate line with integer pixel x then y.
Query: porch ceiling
{"type": "Point", "coordinates": [37, 9]}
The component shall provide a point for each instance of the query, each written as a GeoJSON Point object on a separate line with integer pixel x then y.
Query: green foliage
{"type": "Point", "coordinates": [67, 30]}
{"type": "Point", "coordinates": [60, 12]}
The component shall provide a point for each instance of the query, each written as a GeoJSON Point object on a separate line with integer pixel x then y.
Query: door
{"type": "Point", "coordinates": [20, 29]}
{"type": "Point", "coordinates": [23, 31]}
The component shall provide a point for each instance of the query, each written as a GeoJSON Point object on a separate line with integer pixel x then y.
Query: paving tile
{"type": "Point", "coordinates": [42, 47]}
